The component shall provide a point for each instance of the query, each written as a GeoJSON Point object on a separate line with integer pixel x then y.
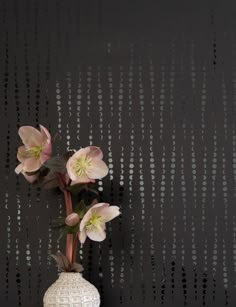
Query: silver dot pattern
{"type": "Point", "coordinates": [154, 85]}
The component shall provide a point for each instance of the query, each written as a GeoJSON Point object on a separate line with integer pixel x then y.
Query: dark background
{"type": "Point", "coordinates": [153, 83]}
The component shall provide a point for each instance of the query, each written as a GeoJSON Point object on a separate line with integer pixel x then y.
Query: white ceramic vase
{"type": "Point", "coordinates": [71, 290]}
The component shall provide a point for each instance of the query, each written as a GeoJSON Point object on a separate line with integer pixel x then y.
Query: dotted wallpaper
{"type": "Point", "coordinates": [153, 83]}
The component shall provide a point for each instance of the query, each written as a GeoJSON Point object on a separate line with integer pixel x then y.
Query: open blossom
{"type": "Point", "coordinates": [94, 222]}
{"type": "Point", "coordinates": [86, 165]}
{"type": "Point", "coordinates": [36, 149]}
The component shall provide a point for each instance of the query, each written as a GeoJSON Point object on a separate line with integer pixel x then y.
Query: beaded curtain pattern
{"type": "Point", "coordinates": [153, 83]}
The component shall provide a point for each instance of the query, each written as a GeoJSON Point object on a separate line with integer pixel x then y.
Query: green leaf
{"type": "Point", "coordinates": [65, 229]}
{"type": "Point", "coordinates": [80, 208]}
{"type": "Point", "coordinates": [56, 164]}
{"type": "Point", "coordinates": [59, 222]}
{"type": "Point", "coordinates": [50, 183]}
{"type": "Point", "coordinates": [77, 188]}
{"type": "Point", "coordinates": [43, 171]}
{"type": "Point", "coordinates": [93, 191]}
{"type": "Point", "coordinates": [47, 179]}
{"type": "Point", "coordinates": [73, 229]}
{"type": "Point", "coordinates": [62, 232]}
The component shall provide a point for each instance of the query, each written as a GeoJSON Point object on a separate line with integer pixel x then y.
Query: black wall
{"type": "Point", "coordinates": [153, 83]}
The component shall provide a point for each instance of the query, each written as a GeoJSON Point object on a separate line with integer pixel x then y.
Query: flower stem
{"type": "Point", "coordinates": [69, 210]}
{"type": "Point", "coordinates": [69, 237]}
{"type": "Point", "coordinates": [75, 247]}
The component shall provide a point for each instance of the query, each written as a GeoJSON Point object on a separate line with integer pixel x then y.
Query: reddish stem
{"type": "Point", "coordinates": [75, 247]}
{"type": "Point", "coordinates": [69, 237]}
{"type": "Point", "coordinates": [69, 210]}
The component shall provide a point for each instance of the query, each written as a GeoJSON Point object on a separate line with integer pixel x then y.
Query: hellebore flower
{"type": "Point", "coordinates": [94, 220]}
{"type": "Point", "coordinates": [86, 165]}
{"type": "Point", "coordinates": [72, 219]}
{"type": "Point", "coordinates": [36, 150]}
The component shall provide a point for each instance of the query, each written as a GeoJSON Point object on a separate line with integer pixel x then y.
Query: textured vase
{"type": "Point", "coordinates": [71, 290]}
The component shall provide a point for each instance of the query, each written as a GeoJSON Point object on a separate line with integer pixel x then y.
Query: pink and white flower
{"type": "Point", "coordinates": [36, 150]}
{"type": "Point", "coordinates": [86, 165]}
{"type": "Point", "coordinates": [94, 222]}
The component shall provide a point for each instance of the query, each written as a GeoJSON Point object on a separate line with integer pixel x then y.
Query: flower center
{"type": "Point", "coordinates": [36, 151]}
{"type": "Point", "coordinates": [81, 165]}
{"type": "Point", "coordinates": [94, 222]}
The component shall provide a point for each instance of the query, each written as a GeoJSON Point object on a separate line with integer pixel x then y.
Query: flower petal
{"type": "Point", "coordinates": [90, 213]}
{"type": "Point", "coordinates": [95, 152]}
{"type": "Point", "coordinates": [46, 137]}
{"type": "Point", "coordinates": [99, 206]}
{"type": "Point", "coordinates": [97, 170]}
{"type": "Point", "coordinates": [80, 153]}
{"type": "Point", "coordinates": [109, 213]}
{"type": "Point", "coordinates": [47, 146]}
{"type": "Point", "coordinates": [19, 168]}
{"type": "Point", "coordinates": [46, 153]}
{"type": "Point", "coordinates": [31, 165]}
{"type": "Point", "coordinates": [30, 136]}
{"type": "Point", "coordinates": [71, 172]}
{"type": "Point", "coordinates": [81, 179]}
{"type": "Point", "coordinates": [72, 161]}
{"type": "Point", "coordinates": [85, 219]}
{"type": "Point", "coordinates": [97, 233]}
{"type": "Point", "coordinates": [23, 153]}
{"type": "Point", "coordinates": [82, 236]}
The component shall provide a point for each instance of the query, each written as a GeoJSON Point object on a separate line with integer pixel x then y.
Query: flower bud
{"type": "Point", "coordinates": [72, 219]}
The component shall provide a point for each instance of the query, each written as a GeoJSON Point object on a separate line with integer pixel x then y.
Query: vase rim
{"type": "Point", "coordinates": [69, 273]}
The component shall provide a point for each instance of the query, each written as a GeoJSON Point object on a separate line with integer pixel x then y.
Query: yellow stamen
{"type": "Point", "coordinates": [81, 165]}
{"type": "Point", "coordinates": [94, 222]}
{"type": "Point", "coordinates": [35, 151]}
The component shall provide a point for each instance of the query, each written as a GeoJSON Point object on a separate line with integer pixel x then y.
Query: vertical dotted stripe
{"type": "Point", "coordinates": [159, 99]}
